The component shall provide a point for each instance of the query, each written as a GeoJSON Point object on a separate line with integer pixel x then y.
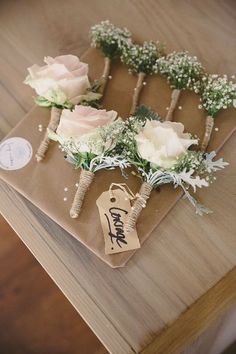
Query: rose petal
{"type": "Point", "coordinates": [54, 71]}
{"type": "Point", "coordinates": [42, 85]}
{"type": "Point", "coordinates": [57, 71]}
{"type": "Point", "coordinates": [82, 120]}
{"type": "Point", "coordinates": [162, 143]}
{"type": "Point", "coordinates": [74, 87]}
{"type": "Point", "coordinates": [71, 62]}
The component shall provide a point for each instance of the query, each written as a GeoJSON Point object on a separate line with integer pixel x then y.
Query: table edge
{"type": "Point", "coordinates": [173, 337]}
{"type": "Point", "coordinates": [66, 282]}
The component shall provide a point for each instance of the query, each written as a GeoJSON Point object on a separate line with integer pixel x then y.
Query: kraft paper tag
{"type": "Point", "coordinates": [113, 213]}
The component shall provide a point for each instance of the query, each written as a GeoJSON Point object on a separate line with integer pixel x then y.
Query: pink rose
{"type": "Point", "coordinates": [162, 143]}
{"type": "Point", "coordinates": [64, 77]}
{"type": "Point", "coordinates": [82, 120]}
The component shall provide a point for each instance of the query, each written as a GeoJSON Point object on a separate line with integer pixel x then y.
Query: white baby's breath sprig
{"type": "Point", "coordinates": [140, 60]}
{"type": "Point", "coordinates": [180, 68]}
{"type": "Point", "coordinates": [182, 72]}
{"type": "Point", "coordinates": [217, 93]}
{"type": "Point", "coordinates": [110, 40]}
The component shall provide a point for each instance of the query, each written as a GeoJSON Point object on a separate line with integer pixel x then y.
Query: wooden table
{"type": "Point", "coordinates": [184, 275]}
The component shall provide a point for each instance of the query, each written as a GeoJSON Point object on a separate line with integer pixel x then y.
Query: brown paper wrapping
{"type": "Point", "coordinates": [43, 184]}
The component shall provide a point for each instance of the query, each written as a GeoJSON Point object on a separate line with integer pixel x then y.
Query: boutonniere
{"type": "Point", "coordinates": [160, 152]}
{"type": "Point", "coordinates": [182, 72]}
{"type": "Point", "coordinates": [140, 60]}
{"type": "Point", "coordinates": [110, 39]}
{"type": "Point", "coordinates": [216, 93]}
{"type": "Point", "coordinates": [61, 83]}
{"type": "Point", "coordinates": [88, 138]}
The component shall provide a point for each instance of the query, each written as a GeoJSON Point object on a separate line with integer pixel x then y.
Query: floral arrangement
{"type": "Point", "coordinates": [88, 139]}
{"type": "Point", "coordinates": [61, 83]}
{"type": "Point", "coordinates": [217, 93]}
{"type": "Point", "coordinates": [141, 59]}
{"type": "Point", "coordinates": [93, 139]}
{"type": "Point", "coordinates": [182, 72]}
{"type": "Point", "coordinates": [110, 39]}
{"type": "Point", "coordinates": [160, 152]}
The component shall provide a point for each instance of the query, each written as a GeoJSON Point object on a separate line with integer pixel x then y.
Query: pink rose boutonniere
{"type": "Point", "coordinates": [88, 138]}
{"type": "Point", "coordinates": [161, 153]}
{"type": "Point", "coordinates": [61, 83]}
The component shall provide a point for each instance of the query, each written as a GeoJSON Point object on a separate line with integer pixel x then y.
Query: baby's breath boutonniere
{"type": "Point", "coordinates": [181, 71]}
{"type": "Point", "coordinates": [88, 137]}
{"type": "Point", "coordinates": [216, 93]}
{"type": "Point", "coordinates": [160, 152]}
{"type": "Point", "coordinates": [110, 39]}
{"type": "Point", "coordinates": [140, 60]}
{"type": "Point", "coordinates": [61, 83]}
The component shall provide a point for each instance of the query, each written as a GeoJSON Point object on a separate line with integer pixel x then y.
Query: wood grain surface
{"type": "Point", "coordinates": [36, 318]}
{"type": "Point", "coordinates": [128, 308]}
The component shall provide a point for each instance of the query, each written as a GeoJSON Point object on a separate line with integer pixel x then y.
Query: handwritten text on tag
{"type": "Point", "coordinates": [113, 212]}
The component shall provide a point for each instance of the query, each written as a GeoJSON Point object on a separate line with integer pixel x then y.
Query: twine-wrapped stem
{"type": "Point", "coordinates": [86, 178]}
{"type": "Point", "coordinates": [173, 103]}
{"type": "Point", "coordinates": [105, 74]}
{"type": "Point", "coordinates": [138, 205]}
{"type": "Point", "coordinates": [208, 131]}
{"type": "Point", "coordinates": [137, 91]}
{"type": "Point", "coordinates": [52, 125]}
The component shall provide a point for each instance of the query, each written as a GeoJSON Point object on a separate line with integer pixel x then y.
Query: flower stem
{"type": "Point", "coordinates": [208, 131]}
{"type": "Point", "coordinates": [137, 91]}
{"type": "Point", "coordinates": [139, 204]}
{"type": "Point", "coordinates": [105, 74]}
{"type": "Point", "coordinates": [52, 125]}
{"type": "Point", "coordinates": [86, 178]}
{"type": "Point", "coordinates": [173, 103]}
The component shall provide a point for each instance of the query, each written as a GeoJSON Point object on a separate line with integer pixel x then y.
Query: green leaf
{"type": "Point", "coordinates": [41, 101]}
{"type": "Point", "coordinates": [143, 113]}
{"type": "Point", "coordinates": [95, 86]}
{"type": "Point", "coordinates": [68, 105]}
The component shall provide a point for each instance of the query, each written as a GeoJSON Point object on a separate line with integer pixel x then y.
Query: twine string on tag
{"type": "Point", "coordinates": [139, 201]}
{"type": "Point", "coordinates": [128, 192]}
{"type": "Point", "coordinates": [123, 186]}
